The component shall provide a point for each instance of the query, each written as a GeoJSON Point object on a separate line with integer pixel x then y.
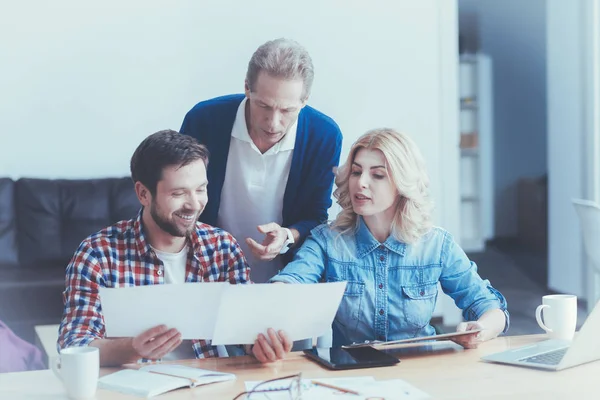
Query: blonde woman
{"type": "Point", "coordinates": [384, 245]}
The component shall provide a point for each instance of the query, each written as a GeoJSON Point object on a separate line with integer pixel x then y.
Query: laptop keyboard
{"type": "Point", "coordinates": [550, 358]}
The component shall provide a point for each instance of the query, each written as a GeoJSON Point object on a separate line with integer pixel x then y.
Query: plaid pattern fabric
{"type": "Point", "coordinates": [119, 256]}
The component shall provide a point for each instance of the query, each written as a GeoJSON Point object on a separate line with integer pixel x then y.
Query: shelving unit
{"type": "Point", "coordinates": [476, 156]}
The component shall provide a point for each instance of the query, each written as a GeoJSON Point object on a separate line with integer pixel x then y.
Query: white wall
{"type": "Point", "coordinates": [513, 34]}
{"type": "Point", "coordinates": [83, 83]}
{"type": "Point", "coordinates": [573, 73]}
{"type": "Point", "coordinates": [514, 30]}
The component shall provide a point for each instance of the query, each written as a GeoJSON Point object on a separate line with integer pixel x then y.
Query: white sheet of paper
{"type": "Point", "coordinates": [308, 390]}
{"type": "Point", "coordinates": [191, 308]}
{"type": "Point", "coordinates": [392, 389]}
{"type": "Point", "coordinates": [366, 386]}
{"type": "Point", "coordinates": [301, 310]}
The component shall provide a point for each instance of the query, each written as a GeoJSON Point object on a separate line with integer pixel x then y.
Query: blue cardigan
{"type": "Point", "coordinates": [316, 151]}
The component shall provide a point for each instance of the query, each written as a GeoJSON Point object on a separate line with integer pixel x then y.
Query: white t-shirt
{"type": "Point", "coordinates": [174, 264]}
{"type": "Point", "coordinates": [253, 190]}
{"type": "Point", "coordinates": [174, 268]}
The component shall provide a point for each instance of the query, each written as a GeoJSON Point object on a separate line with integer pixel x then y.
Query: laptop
{"type": "Point", "coordinates": [556, 355]}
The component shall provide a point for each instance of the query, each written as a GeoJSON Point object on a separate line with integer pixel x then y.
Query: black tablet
{"type": "Point", "coordinates": [361, 357]}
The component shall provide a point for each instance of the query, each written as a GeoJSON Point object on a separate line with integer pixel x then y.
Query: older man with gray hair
{"type": "Point", "coordinates": [272, 157]}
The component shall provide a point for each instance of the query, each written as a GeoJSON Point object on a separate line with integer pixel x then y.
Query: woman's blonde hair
{"type": "Point", "coordinates": [406, 169]}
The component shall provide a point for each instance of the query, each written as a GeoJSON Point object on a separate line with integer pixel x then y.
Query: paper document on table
{"type": "Point", "coordinates": [301, 310]}
{"type": "Point", "coordinates": [366, 387]}
{"type": "Point", "coordinates": [191, 308]}
{"type": "Point", "coordinates": [393, 389]}
{"type": "Point", "coordinates": [278, 390]}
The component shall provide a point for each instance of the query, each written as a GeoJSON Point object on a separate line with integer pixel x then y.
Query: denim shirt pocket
{"type": "Point", "coordinates": [348, 313]}
{"type": "Point", "coordinates": [419, 304]}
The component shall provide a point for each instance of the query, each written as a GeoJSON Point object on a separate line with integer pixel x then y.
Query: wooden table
{"type": "Point", "coordinates": [444, 370]}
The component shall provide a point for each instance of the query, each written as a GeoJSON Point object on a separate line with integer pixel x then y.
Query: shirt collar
{"type": "Point", "coordinates": [366, 242]}
{"type": "Point", "coordinates": [289, 140]}
{"type": "Point", "coordinates": [240, 129]}
{"type": "Point", "coordinates": [142, 245]}
{"type": "Point", "coordinates": [240, 132]}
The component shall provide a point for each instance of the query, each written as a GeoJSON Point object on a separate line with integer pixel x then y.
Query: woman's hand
{"type": "Point", "coordinates": [492, 323]}
{"type": "Point", "coordinates": [469, 341]}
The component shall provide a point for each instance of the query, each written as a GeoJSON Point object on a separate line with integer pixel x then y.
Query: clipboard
{"type": "Point", "coordinates": [380, 344]}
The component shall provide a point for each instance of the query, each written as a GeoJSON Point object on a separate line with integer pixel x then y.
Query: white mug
{"type": "Point", "coordinates": [78, 368]}
{"type": "Point", "coordinates": [559, 313]}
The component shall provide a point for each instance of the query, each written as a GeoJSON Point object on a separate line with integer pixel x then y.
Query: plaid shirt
{"type": "Point", "coordinates": [119, 256]}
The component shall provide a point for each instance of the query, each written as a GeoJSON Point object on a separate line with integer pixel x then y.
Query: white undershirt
{"type": "Point", "coordinates": [253, 190]}
{"type": "Point", "coordinates": [174, 268]}
{"type": "Point", "coordinates": [174, 264]}
{"type": "Point", "coordinates": [174, 272]}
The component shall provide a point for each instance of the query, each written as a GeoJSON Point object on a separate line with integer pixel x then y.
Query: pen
{"type": "Point", "coordinates": [340, 389]}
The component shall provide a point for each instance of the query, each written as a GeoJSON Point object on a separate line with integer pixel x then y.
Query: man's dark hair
{"type": "Point", "coordinates": [163, 149]}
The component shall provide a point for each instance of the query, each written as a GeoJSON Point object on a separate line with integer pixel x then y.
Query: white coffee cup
{"type": "Point", "coordinates": [78, 368]}
{"type": "Point", "coordinates": [557, 315]}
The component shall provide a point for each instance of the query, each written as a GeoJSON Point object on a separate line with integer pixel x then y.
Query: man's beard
{"type": "Point", "coordinates": [168, 226]}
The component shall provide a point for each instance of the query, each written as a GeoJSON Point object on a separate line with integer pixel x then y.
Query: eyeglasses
{"type": "Point", "coordinates": [294, 388]}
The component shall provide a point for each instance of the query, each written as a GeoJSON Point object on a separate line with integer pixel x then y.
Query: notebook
{"type": "Point", "coordinates": [556, 355]}
{"type": "Point", "coordinates": [153, 380]}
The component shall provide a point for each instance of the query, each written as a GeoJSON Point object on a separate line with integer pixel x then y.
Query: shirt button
{"type": "Point", "coordinates": [159, 272]}
{"type": "Point", "coordinates": [381, 247]}
{"type": "Point", "coordinates": [382, 258]}
{"type": "Point", "coordinates": [422, 293]}
{"type": "Point", "coordinates": [381, 337]}
{"type": "Point", "coordinates": [381, 286]}
{"type": "Point", "coordinates": [381, 312]}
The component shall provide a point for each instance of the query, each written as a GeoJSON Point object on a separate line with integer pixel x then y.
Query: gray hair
{"type": "Point", "coordinates": [282, 58]}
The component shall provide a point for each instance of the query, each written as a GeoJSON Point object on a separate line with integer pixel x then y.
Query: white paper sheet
{"type": "Point", "coordinates": [366, 386]}
{"type": "Point", "coordinates": [393, 389]}
{"type": "Point", "coordinates": [302, 310]}
{"type": "Point", "coordinates": [227, 314]}
{"type": "Point", "coordinates": [191, 308]}
{"type": "Point", "coordinates": [308, 390]}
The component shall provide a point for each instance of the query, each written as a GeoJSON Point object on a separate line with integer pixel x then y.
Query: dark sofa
{"type": "Point", "coordinates": [42, 222]}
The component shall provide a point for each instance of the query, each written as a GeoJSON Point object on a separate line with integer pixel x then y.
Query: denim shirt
{"type": "Point", "coordinates": [392, 287]}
